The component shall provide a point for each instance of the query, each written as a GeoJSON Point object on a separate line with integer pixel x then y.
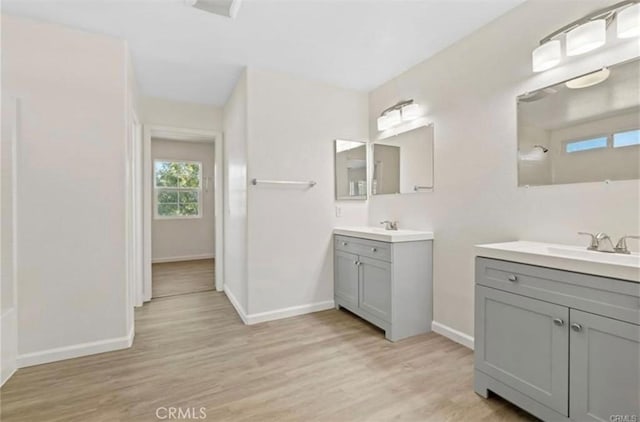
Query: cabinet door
{"type": "Point", "coordinates": [605, 368]}
{"type": "Point", "coordinates": [524, 343]}
{"type": "Point", "coordinates": [375, 288]}
{"type": "Point", "coordinates": [346, 277]}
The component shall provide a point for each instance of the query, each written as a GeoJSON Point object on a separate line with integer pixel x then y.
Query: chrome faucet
{"type": "Point", "coordinates": [390, 225]}
{"type": "Point", "coordinates": [601, 242]}
{"type": "Point", "coordinates": [621, 246]}
{"type": "Point", "coordinates": [605, 244]}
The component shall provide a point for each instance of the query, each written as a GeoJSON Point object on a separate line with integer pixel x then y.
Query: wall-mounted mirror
{"type": "Point", "coordinates": [403, 163]}
{"type": "Point", "coordinates": [583, 130]}
{"type": "Point", "coordinates": [351, 169]}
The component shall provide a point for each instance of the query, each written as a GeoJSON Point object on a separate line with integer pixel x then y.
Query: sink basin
{"type": "Point", "coordinates": [378, 233]}
{"type": "Point", "coordinates": [566, 257]}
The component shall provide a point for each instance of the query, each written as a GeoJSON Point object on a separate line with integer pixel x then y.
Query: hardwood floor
{"type": "Point", "coordinates": [178, 278]}
{"type": "Point", "coordinates": [192, 351]}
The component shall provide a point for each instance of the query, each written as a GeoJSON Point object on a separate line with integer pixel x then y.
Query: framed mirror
{"type": "Point", "coordinates": [586, 129]}
{"type": "Point", "coordinates": [403, 162]}
{"type": "Point", "coordinates": [351, 169]}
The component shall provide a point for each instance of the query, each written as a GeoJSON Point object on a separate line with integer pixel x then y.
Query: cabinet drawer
{"type": "Point", "coordinates": [600, 295]}
{"type": "Point", "coordinates": [364, 247]}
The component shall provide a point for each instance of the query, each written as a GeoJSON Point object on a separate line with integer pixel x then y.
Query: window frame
{"type": "Point", "coordinates": [613, 138]}
{"type": "Point", "coordinates": [566, 143]}
{"type": "Point", "coordinates": [157, 189]}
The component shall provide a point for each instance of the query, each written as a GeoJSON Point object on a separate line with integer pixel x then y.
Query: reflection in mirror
{"type": "Point", "coordinates": [351, 169]}
{"type": "Point", "coordinates": [583, 130]}
{"type": "Point", "coordinates": [403, 163]}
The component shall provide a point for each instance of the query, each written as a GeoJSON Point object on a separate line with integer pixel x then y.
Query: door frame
{"type": "Point", "coordinates": [190, 135]}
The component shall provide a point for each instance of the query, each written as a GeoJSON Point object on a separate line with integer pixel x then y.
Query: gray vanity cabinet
{"type": "Point", "coordinates": [561, 345]}
{"type": "Point", "coordinates": [346, 277]}
{"type": "Point", "coordinates": [387, 284]}
{"type": "Point", "coordinates": [605, 368]}
{"type": "Point", "coordinates": [375, 287]}
{"type": "Point", "coordinates": [525, 345]}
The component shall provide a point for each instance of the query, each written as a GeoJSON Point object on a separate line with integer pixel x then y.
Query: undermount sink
{"type": "Point", "coordinates": [566, 257]}
{"type": "Point", "coordinates": [383, 235]}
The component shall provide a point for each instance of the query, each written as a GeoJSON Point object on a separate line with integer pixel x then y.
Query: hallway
{"type": "Point", "coordinates": [178, 278]}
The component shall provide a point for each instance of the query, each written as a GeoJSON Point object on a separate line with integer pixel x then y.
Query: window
{"type": "Point", "coordinates": [177, 186]}
{"type": "Point", "coordinates": [586, 144]}
{"type": "Point", "coordinates": [626, 139]}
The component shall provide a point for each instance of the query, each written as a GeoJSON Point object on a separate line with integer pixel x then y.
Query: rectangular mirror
{"type": "Point", "coordinates": [586, 129]}
{"type": "Point", "coordinates": [351, 169]}
{"type": "Point", "coordinates": [403, 163]}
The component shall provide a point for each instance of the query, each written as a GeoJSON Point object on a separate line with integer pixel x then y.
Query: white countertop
{"type": "Point", "coordinates": [565, 257]}
{"type": "Point", "coordinates": [378, 233]}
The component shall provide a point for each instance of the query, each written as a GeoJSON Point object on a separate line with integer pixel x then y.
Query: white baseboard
{"type": "Point", "coordinates": [9, 344]}
{"type": "Point", "coordinates": [289, 312]}
{"type": "Point", "coordinates": [75, 351]}
{"type": "Point", "coordinates": [250, 319]}
{"type": "Point", "coordinates": [234, 301]}
{"type": "Point", "coordinates": [182, 258]}
{"type": "Point", "coordinates": [455, 335]}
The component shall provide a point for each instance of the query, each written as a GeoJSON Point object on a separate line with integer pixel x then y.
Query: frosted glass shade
{"type": "Point", "coordinates": [546, 56]}
{"type": "Point", "coordinates": [586, 37]}
{"type": "Point", "coordinates": [589, 80]}
{"type": "Point", "coordinates": [394, 117]}
{"type": "Point", "coordinates": [629, 22]}
{"type": "Point", "coordinates": [383, 123]}
{"type": "Point", "coordinates": [410, 112]}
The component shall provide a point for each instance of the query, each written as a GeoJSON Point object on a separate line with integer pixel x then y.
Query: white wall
{"type": "Point", "coordinates": [292, 127]}
{"type": "Point", "coordinates": [469, 91]}
{"type": "Point", "coordinates": [235, 122]}
{"type": "Point", "coordinates": [72, 292]}
{"type": "Point", "coordinates": [186, 238]}
{"type": "Point", "coordinates": [163, 112]}
{"type": "Point", "coordinates": [8, 312]}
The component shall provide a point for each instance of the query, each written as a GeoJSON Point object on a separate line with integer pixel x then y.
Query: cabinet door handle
{"type": "Point", "coordinates": [558, 322]}
{"type": "Point", "coordinates": [344, 243]}
{"type": "Point", "coordinates": [356, 263]}
{"type": "Point", "coordinates": [513, 277]}
{"type": "Point", "coordinates": [374, 249]}
{"type": "Point", "coordinates": [576, 327]}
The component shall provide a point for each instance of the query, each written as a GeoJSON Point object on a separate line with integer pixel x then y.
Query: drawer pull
{"type": "Point", "coordinates": [513, 277]}
{"type": "Point", "coordinates": [558, 322]}
{"type": "Point", "coordinates": [344, 243]}
{"type": "Point", "coordinates": [374, 249]}
{"type": "Point", "coordinates": [576, 327]}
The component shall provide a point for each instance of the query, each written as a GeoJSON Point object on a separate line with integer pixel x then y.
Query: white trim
{"type": "Point", "coordinates": [290, 312]}
{"type": "Point", "coordinates": [239, 309]}
{"type": "Point", "coordinates": [9, 343]}
{"type": "Point", "coordinates": [76, 350]}
{"type": "Point", "coordinates": [183, 258]}
{"type": "Point", "coordinates": [250, 319]}
{"type": "Point", "coordinates": [459, 337]}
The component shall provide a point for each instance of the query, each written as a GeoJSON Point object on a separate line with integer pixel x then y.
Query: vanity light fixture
{"type": "Point", "coordinates": [587, 34]}
{"type": "Point", "coordinates": [629, 22]}
{"type": "Point", "coordinates": [402, 111]}
{"type": "Point", "coordinates": [590, 79]}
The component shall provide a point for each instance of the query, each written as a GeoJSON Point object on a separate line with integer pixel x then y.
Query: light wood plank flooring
{"type": "Point", "coordinates": [193, 351]}
{"type": "Point", "coordinates": [178, 278]}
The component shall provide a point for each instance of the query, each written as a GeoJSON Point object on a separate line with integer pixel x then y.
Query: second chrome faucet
{"type": "Point", "coordinates": [601, 242]}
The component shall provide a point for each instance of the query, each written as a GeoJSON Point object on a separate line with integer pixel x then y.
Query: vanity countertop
{"type": "Point", "coordinates": [382, 235]}
{"type": "Point", "coordinates": [565, 257]}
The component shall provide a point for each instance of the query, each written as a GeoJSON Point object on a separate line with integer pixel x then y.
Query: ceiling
{"type": "Point", "coordinates": [186, 54]}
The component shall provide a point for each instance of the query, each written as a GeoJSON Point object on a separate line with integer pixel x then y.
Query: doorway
{"type": "Point", "coordinates": [183, 211]}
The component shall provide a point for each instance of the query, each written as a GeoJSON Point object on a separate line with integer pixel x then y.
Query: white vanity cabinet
{"type": "Point", "coordinates": [386, 283]}
{"type": "Point", "coordinates": [562, 345]}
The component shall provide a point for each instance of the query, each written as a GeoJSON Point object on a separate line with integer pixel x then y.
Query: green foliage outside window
{"type": "Point", "coordinates": [177, 188]}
